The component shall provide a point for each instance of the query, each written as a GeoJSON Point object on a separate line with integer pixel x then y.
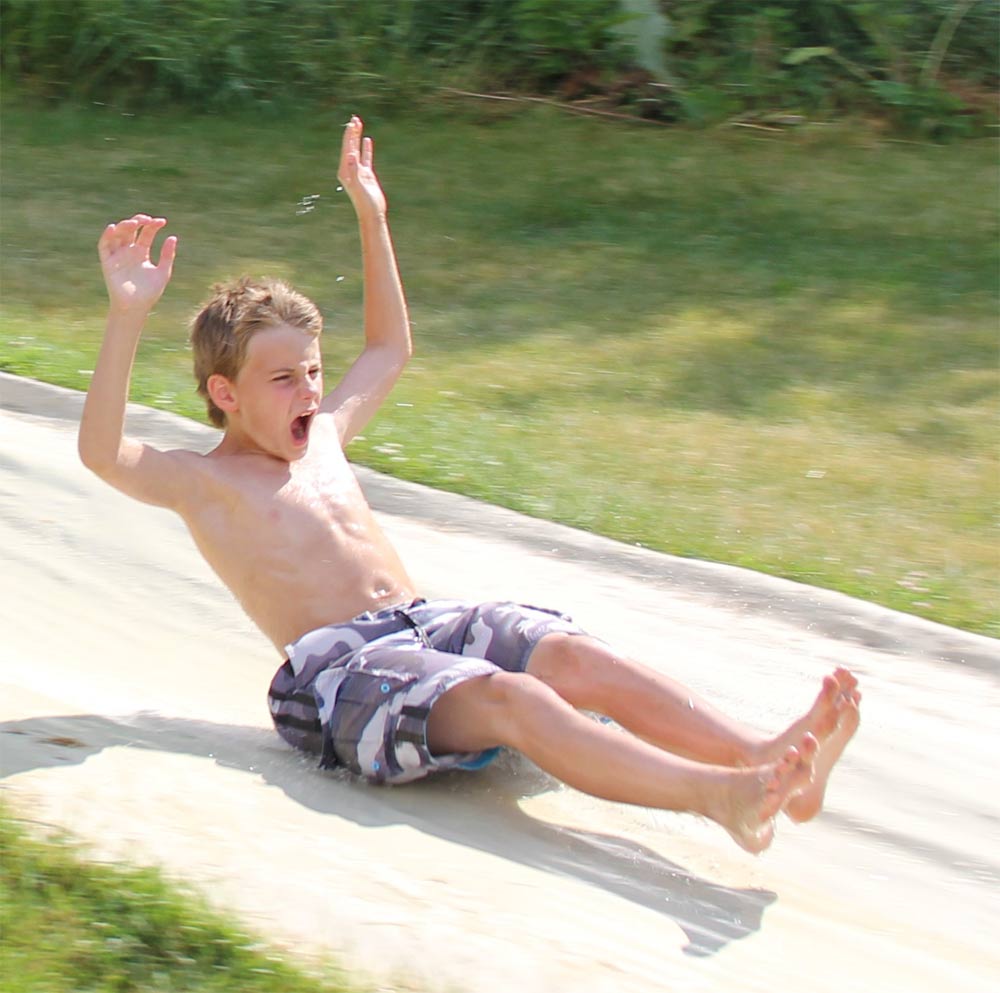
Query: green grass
{"type": "Point", "coordinates": [70, 925]}
{"type": "Point", "coordinates": [775, 352]}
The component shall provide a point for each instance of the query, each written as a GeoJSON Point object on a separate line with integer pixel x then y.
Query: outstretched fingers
{"type": "Point", "coordinates": [357, 173]}
{"type": "Point", "coordinates": [116, 235]}
{"type": "Point", "coordinates": [350, 150]}
{"type": "Point", "coordinates": [139, 229]}
{"type": "Point", "coordinates": [125, 248]}
{"type": "Point", "coordinates": [148, 231]}
{"type": "Point", "coordinates": [167, 255]}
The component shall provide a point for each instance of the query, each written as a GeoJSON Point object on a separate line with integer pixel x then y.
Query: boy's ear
{"type": "Point", "coordinates": [222, 392]}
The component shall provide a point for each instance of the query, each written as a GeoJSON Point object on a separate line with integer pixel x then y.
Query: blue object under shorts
{"type": "Point", "coordinates": [359, 693]}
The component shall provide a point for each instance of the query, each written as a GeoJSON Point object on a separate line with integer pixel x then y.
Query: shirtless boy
{"type": "Point", "coordinates": [376, 679]}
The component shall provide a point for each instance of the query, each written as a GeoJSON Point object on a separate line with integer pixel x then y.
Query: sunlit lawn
{"type": "Point", "coordinates": [69, 924]}
{"type": "Point", "coordinates": [780, 352]}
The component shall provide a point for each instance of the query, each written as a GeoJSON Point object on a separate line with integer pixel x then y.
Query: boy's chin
{"type": "Point", "coordinates": [298, 451]}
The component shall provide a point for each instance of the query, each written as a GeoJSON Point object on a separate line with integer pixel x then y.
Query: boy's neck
{"type": "Point", "coordinates": [236, 441]}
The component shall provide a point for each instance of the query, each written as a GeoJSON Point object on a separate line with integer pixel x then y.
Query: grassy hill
{"type": "Point", "coordinates": [778, 351]}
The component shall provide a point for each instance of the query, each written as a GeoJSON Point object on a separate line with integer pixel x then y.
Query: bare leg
{"type": "Point", "coordinates": [590, 676]}
{"type": "Point", "coordinates": [660, 710]}
{"type": "Point", "coordinates": [519, 711]}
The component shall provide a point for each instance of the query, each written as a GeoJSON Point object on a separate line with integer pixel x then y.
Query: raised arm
{"type": "Point", "coordinates": [134, 285]}
{"type": "Point", "coordinates": [387, 326]}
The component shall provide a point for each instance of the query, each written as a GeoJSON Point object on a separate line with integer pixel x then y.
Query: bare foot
{"type": "Point", "coordinates": [821, 720]}
{"type": "Point", "coordinates": [759, 792]}
{"type": "Point", "coordinates": [807, 804]}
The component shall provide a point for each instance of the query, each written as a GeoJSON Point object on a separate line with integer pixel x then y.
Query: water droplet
{"type": "Point", "coordinates": [307, 203]}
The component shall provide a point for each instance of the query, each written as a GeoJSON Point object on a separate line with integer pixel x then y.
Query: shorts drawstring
{"type": "Point", "coordinates": [401, 612]}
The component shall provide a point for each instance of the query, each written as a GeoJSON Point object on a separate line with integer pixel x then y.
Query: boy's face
{"type": "Point", "coordinates": [278, 391]}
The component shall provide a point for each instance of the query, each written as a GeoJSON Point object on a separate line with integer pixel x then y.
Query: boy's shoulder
{"type": "Point", "coordinates": [207, 482]}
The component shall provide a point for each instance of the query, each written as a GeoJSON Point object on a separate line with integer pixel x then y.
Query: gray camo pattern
{"type": "Point", "coordinates": [359, 692]}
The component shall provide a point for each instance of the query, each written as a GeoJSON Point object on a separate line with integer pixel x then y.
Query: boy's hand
{"type": "Point", "coordinates": [134, 283]}
{"type": "Point", "coordinates": [356, 174]}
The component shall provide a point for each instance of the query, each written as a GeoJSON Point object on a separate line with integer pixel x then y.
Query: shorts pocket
{"type": "Point", "coordinates": [363, 714]}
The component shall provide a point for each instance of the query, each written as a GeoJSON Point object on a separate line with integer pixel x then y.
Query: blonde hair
{"type": "Point", "coordinates": [221, 331]}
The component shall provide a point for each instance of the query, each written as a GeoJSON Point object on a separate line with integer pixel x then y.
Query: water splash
{"type": "Point", "coordinates": [307, 204]}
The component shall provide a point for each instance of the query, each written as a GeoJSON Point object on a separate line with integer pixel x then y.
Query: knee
{"type": "Point", "coordinates": [569, 663]}
{"type": "Point", "coordinates": [508, 693]}
{"type": "Point", "coordinates": [520, 704]}
{"type": "Point", "coordinates": [487, 711]}
{"type": "Point", "coordinates": [513, 703]}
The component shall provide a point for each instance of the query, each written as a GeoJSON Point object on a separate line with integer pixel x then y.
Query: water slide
{"type": "Point", "coordinates": [133, 713]}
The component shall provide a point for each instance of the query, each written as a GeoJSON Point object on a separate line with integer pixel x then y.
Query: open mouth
{"type": "Point", "coordinates": [300, 427]}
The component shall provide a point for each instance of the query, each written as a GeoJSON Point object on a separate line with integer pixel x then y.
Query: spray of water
{"type": "Point", "coordinates": [307, 204]}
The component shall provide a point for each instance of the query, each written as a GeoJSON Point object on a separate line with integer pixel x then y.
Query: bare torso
{"type": "Point", "coordinates": [295, 542]}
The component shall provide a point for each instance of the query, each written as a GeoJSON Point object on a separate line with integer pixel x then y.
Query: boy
{"type": "Point", "coordinates": [375, 678]}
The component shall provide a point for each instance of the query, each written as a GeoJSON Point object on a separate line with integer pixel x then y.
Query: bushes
{"type": "Point", "coordinates": [927, 66]}
{"type": "Point", "coordinates": [207, 54]}
{"type": "Point", "coordinates": [211, 54]}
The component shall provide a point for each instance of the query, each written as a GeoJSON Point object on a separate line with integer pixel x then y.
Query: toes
{"type": "Point", "coordinates": [847, 708]}
{"type": "Point", "coordinates": [808, 748]}
{"type": "Point", "coordinates": [795, 769]}
{"type": "Point", "coordinates": [783, 780]}
{"type": "Point", "coordinates": [850, 713]}
{"type": "Point", "coordinates": [825, 713]}
{"type": "Point", "coordinates": [785, 764]}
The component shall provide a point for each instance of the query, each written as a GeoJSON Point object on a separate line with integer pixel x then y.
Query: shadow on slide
{"type": "Point", "coordinates": [479, 811]}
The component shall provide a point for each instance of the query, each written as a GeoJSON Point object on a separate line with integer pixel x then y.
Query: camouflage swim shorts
{"type": "Point", "coordinates": [359, 692]}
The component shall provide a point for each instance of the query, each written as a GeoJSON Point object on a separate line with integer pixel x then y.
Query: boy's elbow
{"type": "Point", "coordinates": [92, 461]}
{"type": "Point", "coordinates": [399, 353]}
{"type": "Point", "coordinates": [85, 451]}
{"type": "Point", "coordinates": [100, 462]}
